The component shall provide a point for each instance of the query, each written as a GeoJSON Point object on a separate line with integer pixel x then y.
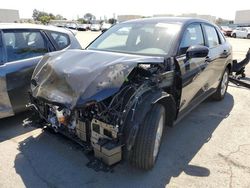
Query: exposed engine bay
{"type": "Point", "coordinates": [107, 124]}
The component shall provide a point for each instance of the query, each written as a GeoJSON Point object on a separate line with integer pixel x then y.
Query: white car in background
{"type": "Point", "coordinates": [105, 26]}
{"type": "Point", "coordinates": [241, 32]}
{"type": "Point", "coordinates": [95, 27]}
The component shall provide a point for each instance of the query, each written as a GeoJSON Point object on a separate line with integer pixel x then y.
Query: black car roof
{"type": "Point", "coordinates": [180, 20]}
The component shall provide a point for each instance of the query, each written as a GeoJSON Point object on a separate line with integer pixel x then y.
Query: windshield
{"type": "Point", "coordinates": [137, 38]}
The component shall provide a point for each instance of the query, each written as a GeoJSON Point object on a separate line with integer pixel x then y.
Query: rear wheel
{"type": "Point", "coordinates": [222, 88]}
{"type": "Point", "coordinates": [248, 36]}
{"type": "Point", "coordinates": [234, 35]}
{"type": "Point", "coordinates": [148, 141]}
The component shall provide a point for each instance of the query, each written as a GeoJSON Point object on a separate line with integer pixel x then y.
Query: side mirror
{"type": "Point", "coordinates": [197, 51]}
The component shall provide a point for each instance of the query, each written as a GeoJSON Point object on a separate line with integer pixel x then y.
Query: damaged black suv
{"type": "Point", "coordinates": [118, 95]}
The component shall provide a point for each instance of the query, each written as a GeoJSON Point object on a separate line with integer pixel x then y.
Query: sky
{"type": "Point", "coordinates": [72, 9]}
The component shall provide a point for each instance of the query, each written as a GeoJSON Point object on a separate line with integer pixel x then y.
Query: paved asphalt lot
{"type": "Point", "coordinates": [208, 148]}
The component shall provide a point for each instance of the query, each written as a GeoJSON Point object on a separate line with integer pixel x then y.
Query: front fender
{"type": "Point", "coordinates": [136, 117]}
{"type": "Point", "coordinates": [168, 102]}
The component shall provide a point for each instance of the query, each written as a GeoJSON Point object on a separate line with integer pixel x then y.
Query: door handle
{"type": "Point", "coordinates": [207, 59]}
{"type": "Point", "coordinates": [225, 52]}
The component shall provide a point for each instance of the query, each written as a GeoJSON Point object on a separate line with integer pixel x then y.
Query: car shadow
{"type": "Point", "coordinates": [12, 126]}
{"type": "Point", "coordinates": [53, 161]}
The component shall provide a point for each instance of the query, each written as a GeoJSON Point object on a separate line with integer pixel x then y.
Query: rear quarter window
{"type": "Point", "coordinates": [61, 40]}
{"type": "Point", "coordinates": [212, 36]}
{"type": "Point", "coordinates": [221, 36]}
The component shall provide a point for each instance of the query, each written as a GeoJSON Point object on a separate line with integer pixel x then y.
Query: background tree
{"type": "Point", "coordinates": [35, 14]}
{"type": "Point", "coordinates": [112, 20]}
{"type": "Point", "coordinates": [220, 21]}
{"type": "Point", "coordinates": [89, 17]}
{"type": "Point", "coordinates": [52, 16]}
{"type": "Point", "coordinates": [82, 21]}
{"type": "Point", "coordinates": [59, 17]}
{"type": "Point", "coordinates": [45, 19]}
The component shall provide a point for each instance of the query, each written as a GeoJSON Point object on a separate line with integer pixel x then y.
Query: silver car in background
{"type": "Point", "coordinates": [21, 47]}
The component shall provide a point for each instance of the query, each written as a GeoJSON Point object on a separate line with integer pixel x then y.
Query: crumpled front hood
{"type": "Point", "coordinates": [76, 76]}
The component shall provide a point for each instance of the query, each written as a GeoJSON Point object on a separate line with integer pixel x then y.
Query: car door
{"type": "Point", "coordinates": [241, 32]}
{"type": "Point", "coordinates": [244, 32]}
{"type": "Point", "coordinates": [23, 49]}
{"type": "Point", "coordinates": [236, 32]}
{"type": "Point", "coordinates": [191, 69]}
{"type": "Point", "coordinates": [219, 54]}
{"type": "Point", "coordinates": [5, 105]}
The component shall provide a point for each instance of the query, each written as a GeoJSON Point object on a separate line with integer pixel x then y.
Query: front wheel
{"type": "Point", "coordinates": [148, 141]}
{"type": "Point", "coordinates": [222, 88]}
{"type": "Point", "coordinates": [248, 36]}
{"type": "Point", "coordinates": [234, 35]}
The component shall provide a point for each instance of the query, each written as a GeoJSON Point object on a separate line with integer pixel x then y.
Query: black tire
{"type": "Point", "coordinates": [142, 155]}
{"type": "Point", "coordinates": [221, 91]}
{"type": "Point", "coordinates": [248, 36]}
{"type": "Point", "coordinates": [234, 35]}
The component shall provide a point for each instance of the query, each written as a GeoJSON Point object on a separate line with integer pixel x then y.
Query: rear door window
{"type": "Point", "coordinates": [212, 36]}
{"type": "Point", "coordinates": [192, 36]}
{"type": "Point", "coordinates": [222, 38]}
{"type": "Point", "coordinates": [61, 40]}
{"type": "Point", "coordinates": [23, 44]}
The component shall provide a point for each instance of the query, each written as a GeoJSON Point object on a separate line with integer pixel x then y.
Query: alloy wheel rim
{"type": "Point", "coordinates": [158, 137]}
{"type": "Point", "coordinates": [224, 83]}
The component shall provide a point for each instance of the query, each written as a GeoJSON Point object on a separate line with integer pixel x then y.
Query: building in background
{"type": "Point", "coordinates": [242, 17]}
{"type": "Point", "coordinates": [122, 18]}
{"type": "Point", "coordinates": [9, 16]}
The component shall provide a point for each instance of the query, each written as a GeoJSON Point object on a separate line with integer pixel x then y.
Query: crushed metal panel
{"type": "Point", "coordinates": [77, 76]}
{"type": "Point", "coordinates": [5, 104]}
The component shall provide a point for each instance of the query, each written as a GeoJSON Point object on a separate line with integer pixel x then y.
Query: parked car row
{"type": "Point", "coordinates": [100, 27]}
{"type": "Point", "coordinates": [238, 32]}
{"type": "Point", "coordinates": [241, 32]}
{"type": "Point", "coordinates": [84, 27]}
